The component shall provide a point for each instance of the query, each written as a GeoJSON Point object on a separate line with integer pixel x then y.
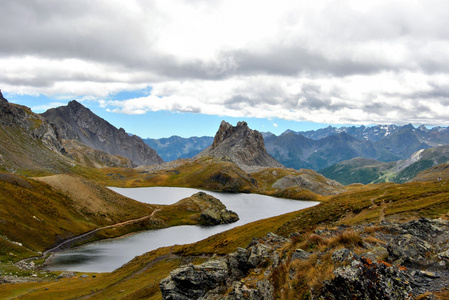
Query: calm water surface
{"type": "Point", "coordinates": [107, 255]}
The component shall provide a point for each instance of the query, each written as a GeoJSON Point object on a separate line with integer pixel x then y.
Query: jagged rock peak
{"type": "Point", "coordinates": [226, 130]}
{"type": "Point", "coordinates": [244, 146]}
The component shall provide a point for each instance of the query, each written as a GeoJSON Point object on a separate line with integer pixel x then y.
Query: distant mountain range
{"type": "Point", "coordinates": [51, 141]}
{"type": "Point", "coordinates": [319, 149]}
{"type": "Point", "coordinates": [361, 170]}
{"type": "Point", "coordinates": [176, 147]}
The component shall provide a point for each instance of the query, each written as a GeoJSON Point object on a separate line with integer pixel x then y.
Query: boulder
{"type": "Point", "coordinates": [214, 278]}
{"type": "Point", "coordinates": [363, 278]}
{"type": "Point", "coordinates": [300, 254]}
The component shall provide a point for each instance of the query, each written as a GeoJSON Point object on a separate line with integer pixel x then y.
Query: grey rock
{"type": "Point", "coordinates": [242, 145]}
{"type": "Point", "coordinates": [214, 278]}
{"type": "Point", "coordinates": [300, 254]}
{"type": "Point", "coordinates": [67, 274]}
{"type": "Point", "coordinates": [366, 279]}
{"type": "Point", "coordinates": [77, 122]}
{"type": "Point", "coordinates": [344, 255]}
{"type": "Point", "coordinates": [192, 282]}
{"type": "Point", "coordinates": [408, 249]}
{"type": "Point", "coordinates": [215, 217]}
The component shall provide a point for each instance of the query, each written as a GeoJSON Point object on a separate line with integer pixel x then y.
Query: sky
{"type": "Point", "coordinates": [178, 67]}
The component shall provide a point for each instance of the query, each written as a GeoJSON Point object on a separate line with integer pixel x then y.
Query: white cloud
{"type": "Point", "coordinates": [327, 61]}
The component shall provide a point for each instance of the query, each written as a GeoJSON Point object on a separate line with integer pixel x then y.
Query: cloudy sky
{"type": "Point", "coordinates": [167, 67]}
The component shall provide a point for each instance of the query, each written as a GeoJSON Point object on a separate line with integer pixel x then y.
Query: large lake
{"type": "Point", "coordinates": [108, 255]}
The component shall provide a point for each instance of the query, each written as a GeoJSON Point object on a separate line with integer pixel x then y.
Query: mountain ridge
{"type": "Point", "coordinates": [360, 170]}
{"type": "Point", "coordinates": [76, 122]}
{"type": "Point", "coordinates": [315, 149]}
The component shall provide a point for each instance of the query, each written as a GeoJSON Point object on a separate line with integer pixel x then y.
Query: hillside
{"type": "Point", "coordinates": [29, 144]}
{"type": "Point", "coordinates": [42, 213]}
{"type": "Point", "coordinates": [436, 173]}
{"type": "Point", "coordinates": [304, 256]}
{"type": "Point", "coordinates": [76, 122]}
{"type": "Point", "coordinates": [359, 170]}
{"type": "Point", "coordinates": [38, 215]}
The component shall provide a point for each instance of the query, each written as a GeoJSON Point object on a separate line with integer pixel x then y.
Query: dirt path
{"type": "Point", "coordinates": [81, 236]}
{"type": "Point", "coordinates": [383, 205]}
{"type": "Point", "coordinates": [120, 224]}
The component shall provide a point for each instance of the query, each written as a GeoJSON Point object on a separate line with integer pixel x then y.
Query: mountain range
{"type": "Point", "coordinates": [361, 170]}
{"type": "Point", "coordinates": [176, 147]}
{"type": "Point", "coordinates": [367, 237]}
{"type": "Point", "coordinates": [319, 149]}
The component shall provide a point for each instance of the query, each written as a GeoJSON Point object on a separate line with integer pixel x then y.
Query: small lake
{"type": "Point", "coordinates": [108, 255]}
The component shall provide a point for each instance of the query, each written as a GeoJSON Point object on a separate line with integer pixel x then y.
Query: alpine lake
{"type": "Point", "coordinates": [108, 255]}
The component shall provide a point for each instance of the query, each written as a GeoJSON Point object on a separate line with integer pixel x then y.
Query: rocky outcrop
{"type": "Point", "coordinates": [358, 277]}
{"type": "Point", "coordinates": [386, 261]}
{"type": "Point", "coordinates": [310, 180]}
{"type": "Point", "coordinates": [2, 99]}
{"type": "Point", "coordinates": [242, 145]}
{"type": "Point", "coordinates": [29, 142]}
{"type": "Point", "coordinates": [213, 211]}
{"type": "Point", "coordinates": [218, 216]}
{"type": "Point", "coordinates": [36, 127]}
{"type": "Point", "coordinates": [77, 122]}
{"type": "Point", "coordinates": [217, 277]}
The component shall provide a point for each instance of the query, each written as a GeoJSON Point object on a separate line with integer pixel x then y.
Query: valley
{"type": "Point", "coordinates": [376, 186]}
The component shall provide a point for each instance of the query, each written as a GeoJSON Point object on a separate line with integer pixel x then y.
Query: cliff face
{"type": "Point", "coordinates": [28, 141]}
{"type": "Point", "coordinates": [77, 122]}
{"type": "Point", "coordinates": [244, 146]}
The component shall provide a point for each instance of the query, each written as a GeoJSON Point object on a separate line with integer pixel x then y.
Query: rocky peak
{"type": "Point", "coordinates": [76, 122]}
{"type": "Point", "coordinates": [75, 106]}
{"type": "Point", "coordinates": [226, 130]}
{"type": "Point", "coordinates": [244, 146]}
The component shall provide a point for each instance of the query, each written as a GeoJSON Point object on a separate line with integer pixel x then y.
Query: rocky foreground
{"type": "Point", "coordinates": [386, 261]}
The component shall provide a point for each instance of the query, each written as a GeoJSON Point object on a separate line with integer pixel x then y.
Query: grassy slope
{"type": "Point", "coordinates": [140, 277]}
{"type": "Point", "coordinates": [205, 173]}
{"type": "Point", "coordinates": [20, 151]}
{"type": "Point", "coordinates": [37, 215]}
{"type": "Point", "coordinates": [40, 213]}
{"type": "Point", "coordinates": [218, 175]}
{"type": "Point", "coordinates": [433, 174]}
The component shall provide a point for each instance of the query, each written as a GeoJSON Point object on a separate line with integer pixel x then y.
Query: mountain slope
{"type": "Point", "coordinates": [317, 230]}
{"type": "Point", "coordinates": [77, 122]}
{"type": "Point", "coordinates": [296, 151]}
{"type": "Point", "coordinates": [37, 215]}
{"type": "Point", "coordinates": [28, 143]}
{"type": "Point", "coordinates": [243, 146]}
{"type": "Point", "coordinates": [176, 147]}
{"type": "Point", "coordinates": [359, 170]}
